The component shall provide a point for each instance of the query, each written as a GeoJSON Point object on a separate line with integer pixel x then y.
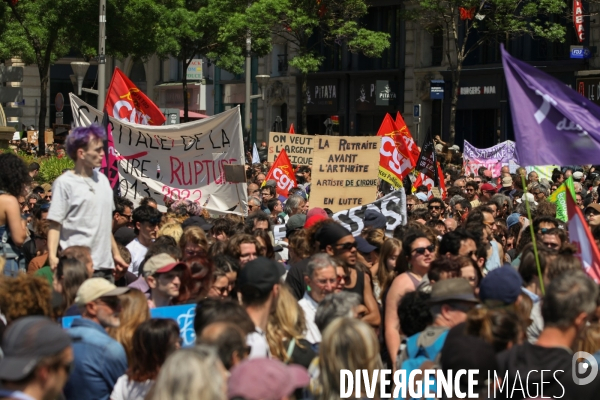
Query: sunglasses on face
{"type": "Point", "coordinates": [435, 207]}
{"type": "Point", "coordinates": [470, 190]}
{"type": "Point", "coordinates": [347, 246]}
{"type": "Point", "coordinates": [421, 250]}
{"type": "Point", "coordinates": [113, 302]}
{"type": "Point", "coordinates": [342, 278]}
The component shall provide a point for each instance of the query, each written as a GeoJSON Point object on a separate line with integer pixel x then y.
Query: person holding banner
{"type": "Point", "coordinates": [81, 210]}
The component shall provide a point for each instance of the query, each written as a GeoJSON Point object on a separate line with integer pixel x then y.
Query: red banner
{"type": "Point", "coordinates": [578, 20]}
{"type": "Point", "coordinates": [413, 150]}
{"type": "Point", "coordinates": [292, 129]}
{"type": "Point", "coordinates": [126, 102]}
{"type": "Point", "coordinates": [395, 161]}
{"type": "Point", "coordinates": [423, 179]}
{"type": "Point", "coordinates": [283, 173]}
{"type": "Point", "coordinates": [580, 236]}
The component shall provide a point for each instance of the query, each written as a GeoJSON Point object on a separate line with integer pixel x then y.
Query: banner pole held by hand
{"type": "Point", "coordinates": [535, 252]}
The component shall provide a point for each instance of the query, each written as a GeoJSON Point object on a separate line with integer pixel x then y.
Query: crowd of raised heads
{"type": "Point", "coordinates": [459, 286]}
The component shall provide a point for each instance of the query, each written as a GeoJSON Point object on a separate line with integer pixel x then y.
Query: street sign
{"type": "Point", "coordinates": [59, 102]}
{"type": "Point", "coordinates": [194, 70]}
{"type": "Point", "coordinates": [580, 52]}
{"type": "Point", "coordinates": [417, 111]}
{"type": "Point", "coordinates": [436, 91]}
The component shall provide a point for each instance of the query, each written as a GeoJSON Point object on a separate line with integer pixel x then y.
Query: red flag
{"type": "Point", "coordinates": [283, 173]}
{"type": "Point", "coordinates": [423, 179]}
{"type": "Point", "coordinates": [394, 159]}
{"type": "Point", "coordinates": [578, 20]}
{"type": "Point", "coordinates": [126, 102]}
{"type": "Point", "coordinates": [408, 139]}
{"type": "Point", "coordinates": [580, 236]}
{"type": "Point", "coordinates": [292, 128]}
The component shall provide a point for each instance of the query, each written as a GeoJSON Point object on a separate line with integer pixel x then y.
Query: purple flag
{"type": "Point", "coordinates": [554, 125]}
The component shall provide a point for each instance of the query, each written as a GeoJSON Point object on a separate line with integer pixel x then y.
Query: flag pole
{"type": "Point", "coordinates": [535, 251]}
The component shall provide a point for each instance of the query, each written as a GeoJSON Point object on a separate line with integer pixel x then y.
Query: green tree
{"type": "Point", "coordinates": [306, 24]}
{"type": "Point", "coordinates": [42, 31]}
{"type": "Point", "coordinates": [216, 29]}
{"type": "Point", "coordinates": [487, 21]}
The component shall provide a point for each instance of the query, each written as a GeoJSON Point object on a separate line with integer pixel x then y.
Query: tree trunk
{"type": "Point", "coordinates": [44, 71]}
{"type": "Point", "coordinates": [185, 90]}
{"type": "Point", "coordinates": [304, 106]}
{"type": "Point", "coordinates": [454, 103]}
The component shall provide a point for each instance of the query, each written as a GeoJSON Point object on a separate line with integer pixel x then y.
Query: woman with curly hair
{"type": "Point", "coordinates": [23, 296]}
{"type": "Point", "coordinates": [14, 177]}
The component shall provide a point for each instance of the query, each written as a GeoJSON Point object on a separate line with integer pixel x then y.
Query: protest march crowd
{"type": "Point", "coordinates": [461, 264]}
{"type": "Point", "coordinates": [456, 287]}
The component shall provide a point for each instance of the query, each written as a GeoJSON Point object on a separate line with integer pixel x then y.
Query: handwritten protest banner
{"type": "Point", "coordinates": [183, 314]}
{"type": "Point", "coordinates": [492, 158]}
{"type": "Point", "coordinates": [174, 162]}
{"type": "Point", "coordinates": [344, 172]}
{"type": "Point", "coordinates": [299, 148]}
{"type": "Point", "coordinates": [392, 206]}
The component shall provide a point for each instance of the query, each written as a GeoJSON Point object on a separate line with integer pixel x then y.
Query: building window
{"type": "Point", "coordinates": [282, 62]}
{"type": "Point", "coordinates": [437, 48]}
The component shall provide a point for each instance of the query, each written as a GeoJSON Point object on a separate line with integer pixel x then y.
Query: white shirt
{"type": "Point", "coordinates": [309, 306]}
{"type": "Point", "coordinates": [138, 252]}
{"type": "Point", "coordinates": [83, 207]}
{"type": "Point", "coordinates": [259, 348]}
{"type": "Point", "coordinates": [130, 390]}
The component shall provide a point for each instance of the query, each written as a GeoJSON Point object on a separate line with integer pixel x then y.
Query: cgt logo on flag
{"type": "Point", "coordinates": [283, 173]}
{"type": "Point", "coordinates": [127, 103]}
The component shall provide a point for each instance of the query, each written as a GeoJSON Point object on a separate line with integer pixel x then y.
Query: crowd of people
{"type": "Point", "coordinates": [456, 287]}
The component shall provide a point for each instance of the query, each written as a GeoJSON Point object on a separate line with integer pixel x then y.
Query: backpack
{"type": "Point", "coordinates": [9, 251]}
{"type": "Point", "coordinates": [418, 354]}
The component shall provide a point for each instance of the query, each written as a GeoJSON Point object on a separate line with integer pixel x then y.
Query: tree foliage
{"type": "Point", "coordinates": [307, 24]}
{"type": "Point", "coordinates": [467, 24]}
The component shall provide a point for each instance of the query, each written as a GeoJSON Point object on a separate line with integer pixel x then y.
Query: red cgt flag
{"type": "Point", "coordinates": [126, 102]}
{"type": "Point", "coordinates": [283, 173]}
{"type": "Point", "coordinates": [408, 139]}
{"type": "Point", "coordinates": [394, 159]}
{"type": "Point", "coordinates": [292, 129]}
{"type": "Point", "coordinates": [423, 179]}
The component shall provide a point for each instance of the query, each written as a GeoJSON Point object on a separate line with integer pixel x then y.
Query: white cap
{"type": "Point", "coordinates": [94, 288]}
{"type": "Point", "coordinates": [530, 198]}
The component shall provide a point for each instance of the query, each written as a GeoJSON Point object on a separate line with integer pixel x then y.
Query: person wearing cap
{"type": "Point", "coordinates": [99, 359]}
{"type": "Point", "coordinates": [592, 215]}
{"type": "Point", "coordinates": [265, 379]}
{"type": "Point", "coordinates": [258, 284]}
{"type": "Point", "coordinates": [487, 191]}
{"type": "Point", "coordinates": [507, 185]}
{"type": "Point", "coordinates": [163, 275]}
{"type": "Point", "coordinates": [449, 303]}
{"type": "Point", "coordinates": [294, 224]}
{"type": "Point", "coordinates": [38, 358]}
{"type": "Point", "coordinates": [82, 204]}
{"type": "Point", "coordinates": [569, 301]}
{"type": "Point", "coordinates": [145, 226]}
{"type": "Point", "coordinates": [321, 278]}
{"type": "Point", "coordinates": [374, 219]}
{"type": "Point", "coordinates": [578, 176]}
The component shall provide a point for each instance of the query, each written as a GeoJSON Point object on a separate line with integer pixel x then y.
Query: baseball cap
{"type": "Point", "coordinates": [330, 234]}
{"type": "Point", "coordinates": [488, 187]}
{"type": "Point", "coordinates": [265, 379]}
{"type": "Point", "coordinates": [271, 182]}
{"type": "Point", "coordinates": [26, 341]}
{"type": "Point", "coordinates": [160, 263]}
{"type": "Point", "coordinates": [454, 147]}
{"type": "Point", "coordinates": [94, 288]}
{"type": "Point", "coordinates": [259, 274]}
{"type": "Point", "coordinates": [577, 175]}
{"type": "Point", "coordinates": [512, 219]}
{"type": "Point", "coordinates": [310, 221]}
{"type": "Point", "coordinates": [507, 181]}
{"type": "Point", "coordinates": [197, 221]}
{"type": "Point", "coordinates": [500, 286]}
{"type": "Point", "coordinates": [530, 198]}
{"type": "Point", "coordinates": [296, 221]}
{"type": "Point", "coordinates": [316, 211]}
{"type": "Point", "coordinates": [592, 206]}
{"type": "Point", "coordinates": [363, 246]}
{"type": "Point", "coordinates": [421, 196]}
{"type": "Point", "coordinates": [455, 289]}
{"type": "Point", "coordinates": [375, 219]}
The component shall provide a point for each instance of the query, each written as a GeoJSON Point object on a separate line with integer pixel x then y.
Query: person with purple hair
{"type": "Point", "coordinates": [82, 204]}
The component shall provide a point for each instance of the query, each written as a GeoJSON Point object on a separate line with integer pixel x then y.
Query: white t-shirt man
{"type": "Point", "coordinates": [309, 306]}
{"type": "Point", "coordinates": [84, 207]}
{"type": "Point", "coordinates": [138, 252]}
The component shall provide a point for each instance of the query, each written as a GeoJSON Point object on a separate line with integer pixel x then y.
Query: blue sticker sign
{"type": "Point", "coordinates": [183, 314]}
{"type": "Point", "coordinates": [580, 52]}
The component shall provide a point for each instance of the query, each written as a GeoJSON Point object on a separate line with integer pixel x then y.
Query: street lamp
{"type": "Point", "coordinates": [80, 68]}
{"type": "Point", "coordinates": [262, 80]}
